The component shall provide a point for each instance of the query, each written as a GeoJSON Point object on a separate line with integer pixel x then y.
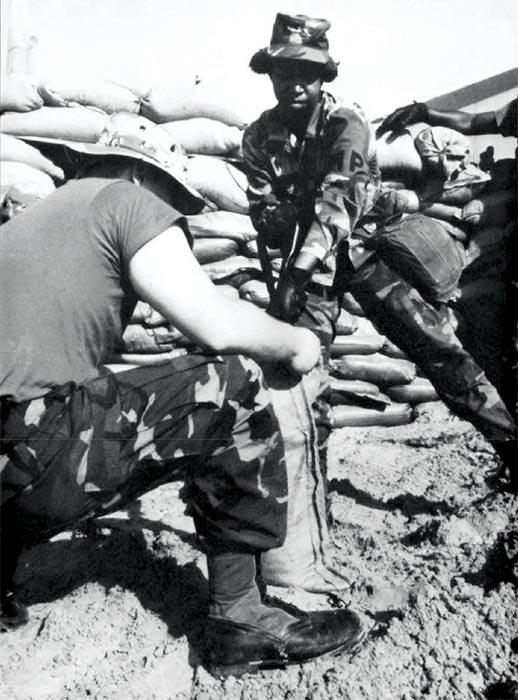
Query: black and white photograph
{"type": "Point", "coordinates": [258, 350]}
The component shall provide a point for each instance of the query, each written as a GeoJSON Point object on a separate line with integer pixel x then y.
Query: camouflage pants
{"type": "Point", "coordinates": [427, 334]}
{"type": "Point", "coordinates": [85, 450]}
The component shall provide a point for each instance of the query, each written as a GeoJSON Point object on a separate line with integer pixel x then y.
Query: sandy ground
{"type": "Point", "coordinates": [116, 611]}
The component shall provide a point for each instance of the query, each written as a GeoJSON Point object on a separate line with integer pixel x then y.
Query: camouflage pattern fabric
{"type": "Point", "coordinates": [427, 334]}
{"type": "Point", "coordinates": [85, 450]}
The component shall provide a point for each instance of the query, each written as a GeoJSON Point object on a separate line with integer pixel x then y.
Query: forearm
{"type": "Point", "coordinates": [465, 122]}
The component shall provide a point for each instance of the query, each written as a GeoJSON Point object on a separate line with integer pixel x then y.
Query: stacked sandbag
{"type": "Point", "coordinates": [372, 382]}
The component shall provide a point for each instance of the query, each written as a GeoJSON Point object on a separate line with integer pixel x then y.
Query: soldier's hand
{"type": "Point", "coordinates": [289, 298]}
{"type": "Point", "coordinates": [308, 353]}
{"type": "Point", "coordinates": [402, 117]}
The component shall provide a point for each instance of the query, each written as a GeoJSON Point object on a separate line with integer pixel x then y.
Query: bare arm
{"type": "Point", "coordinates": [165, 273]}
{"type": "Point", "coordinates": [465, 122]}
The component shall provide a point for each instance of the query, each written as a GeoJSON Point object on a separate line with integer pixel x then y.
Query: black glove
{"type": "Point", "coordinates": [289, 298]}
{"type": "Point", "coordinates": [386, 206]}
{"type": "Point", "coordinates": [402, 117]}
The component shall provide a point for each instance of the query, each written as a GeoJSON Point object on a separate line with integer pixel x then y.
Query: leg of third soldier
{"type": "Point", "coordinates": [427, 335]}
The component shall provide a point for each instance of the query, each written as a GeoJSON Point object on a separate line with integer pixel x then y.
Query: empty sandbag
{"type": "Point", "coordinates": [89, 92]}
{"type": "Point", "coordinates": [346, 323]}
{"type": "Point", "coordinates": [207, 250]}
{"type": "Point", "coordinates": [204, 136]}
{"type": "Point", "coordinates": [222, 270]}
{"type": "Point", "coordinates": [354, 416]}
{"type": "Point", "coordinates": [356, 344]}
{"type": "Point", "coordinates": [256, 292]}
{"type": "Point", "coordinates": [419, 390]}
{"type": "Point", "coordinates": [353, 386]}
{"type": "Point", "coordinates": [220, 182]}
{"type": "Point", "coordinates": [222, 224]}
{"type": "Point", "coordinates": [163, 105]}
{"type": "Point", "coordinates": [18, 94]}
{"type": "Point", "coordinates": [14, 149]}
{"type": "Point", "coordinates": [493, 209]}
{"type": "Point", "coordinates": [376, 368]}
{"type": "Point", "coordinates": [391, 350]}
{"type": "Point", "coordinates": [67, 123]}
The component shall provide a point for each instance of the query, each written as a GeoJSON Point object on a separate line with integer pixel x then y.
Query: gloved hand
{"type": "Point", "coordinates": [402, 117]}
{"type": "Point", "coordinates": [386, 206]}
{"type": "Point", "coordinates": [289, 298]}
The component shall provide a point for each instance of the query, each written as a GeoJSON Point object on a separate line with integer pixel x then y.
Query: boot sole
{"type": "Point", "coordinates": [252, 667]}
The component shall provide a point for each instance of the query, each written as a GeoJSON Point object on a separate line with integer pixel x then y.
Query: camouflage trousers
{"type": "Point", "coordinates": [85, 450]}
{"type": "Point", "coordinates": [427, 334]}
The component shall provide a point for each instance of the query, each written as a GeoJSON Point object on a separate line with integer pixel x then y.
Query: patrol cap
{"type": "Point", "coordinates": [295, 37]}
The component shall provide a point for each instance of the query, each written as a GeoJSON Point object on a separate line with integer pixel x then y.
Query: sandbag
{"type": "Point", "coordinates": [238, 278]}
{"type": "Point", "coordinates": [346, 323]}
{"type": "Point", "coordinates": [353, 386]}
{"type": "Point", "coordinates": [222, 270]}
{"type": "Point", "coordinates": [350, 304]}
{"type": "Point", "coordinates": [204, 136]}
{"type": "Point", "coordinates": [355, 416]}
{"type": "Point", "coordinates": [25, 179]}
{"type": "Point", "coordinates": [377, 369]}
{"type": "Point", "coordinates": [356, 344]}
{"type": "Point", "coordinates": [67, 123]}
{"type": "Point", "coordinates": [391, 350]}
{"type": "Point", "coordinates": [219, 181]}
{"type": "Point", "coordinates": [89, 92]}
{"type": "Point", "coordinates": [398, 154]}
{"type": "Point", "coordinates": [222, 224]}
{"type": "Point", "coordinates": [256, 292]}
{"type": "Point", "coordinates": [468, 184]}
{"type": "Point", "coordinates": [250, 249]}
{"type": "Point", "coordinates": [18, 94]}
{"type": "Point", "coordinates": [419, 390]}
{"type": "Point", "coordinates": [443, 212]}
{"type": "Point", "coordinates": [163, 105]}
{"type": "Point", "coordinates": [346, 398]}
{"type": "Point", "coordinates": [493, 209]}
{"type": "Point", "coordinates": [14, 149]}
{"type": "Point", "coordinates": [207, 250]}
{"type": "Point", "coordinates": [301, 562]}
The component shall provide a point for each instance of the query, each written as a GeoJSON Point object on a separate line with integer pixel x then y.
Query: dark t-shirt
{"type": "Point", "coordinates": [66, 296]}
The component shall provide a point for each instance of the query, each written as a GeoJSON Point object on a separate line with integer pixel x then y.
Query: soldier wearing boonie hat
{"type": "Point", "coordinates": [312, 174]}
{"type": "Point", "coordinates": [79, 439]}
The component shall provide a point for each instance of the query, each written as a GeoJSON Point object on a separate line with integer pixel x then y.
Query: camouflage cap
{"type": "Point", "coordinates": [299, 37]}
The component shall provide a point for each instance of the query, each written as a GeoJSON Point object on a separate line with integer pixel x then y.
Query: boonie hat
{"type": "Point", "coordinates": [298, 37]}
{"type": "Point", "coordinates": [132, 136]}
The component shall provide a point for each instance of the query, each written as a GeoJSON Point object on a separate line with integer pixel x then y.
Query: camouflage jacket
{"type": "Point", "coordinates": [330, 178]}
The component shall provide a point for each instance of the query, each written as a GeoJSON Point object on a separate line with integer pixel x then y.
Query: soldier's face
{"type": "Point", "coordinates": [296, 84]}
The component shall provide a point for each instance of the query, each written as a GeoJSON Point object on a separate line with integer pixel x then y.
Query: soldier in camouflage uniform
{"type": "Point", "coordinates": [312, 173]}
{"type": "Point", "coordinates": [79, 440]}
{"type": "Point", "coordinates": [313, 181]}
